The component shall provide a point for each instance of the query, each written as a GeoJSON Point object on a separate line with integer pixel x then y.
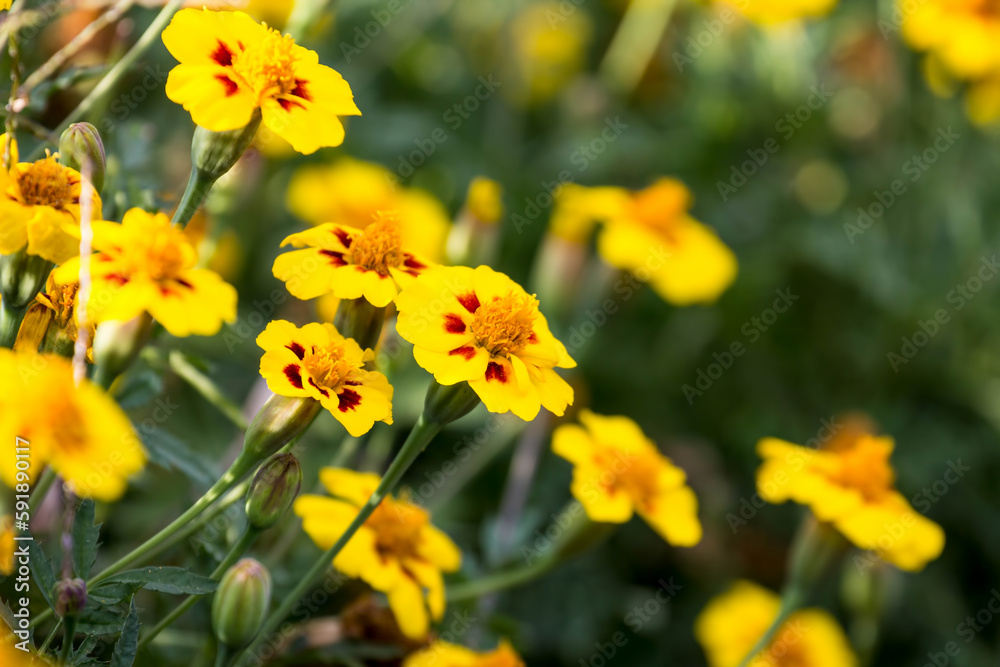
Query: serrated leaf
{"type": "Point", "coordinates": [85, 536]}
{"type": "Point", "coordinates": [41, 570]}
{"type": "Point", "coordinates": [170, 452]}
{"type": "Point", "coordinates": [128, 643]}
{"type": "Point", "coordinates": [80, 656]}
{"type": "Point", "coordinates": [100, 621]}
{"type": "Point", "coordinates": [113, 593]}
{"type": "Point", "coordinates": [172, 580]}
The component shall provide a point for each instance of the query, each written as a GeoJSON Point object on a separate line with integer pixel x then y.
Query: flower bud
{"type": "Point", "coordinates": [71, 597]}
{"type": "Point", "coordinates": [81, 148]}
{"type": "Point", "coordinates": [241, 602]}
{"type": "Point", "coordinates": [275, 425]}
{"type": "Point", "coordinates": [214, 153]}
{"type": "Point", "coordinates": [116, 344]}
{"type": "Point", "coordinates": [273, 490]}
{"type": "Point", "coordinates": [22, 277]}
{"type": "Point", "coordinates": [446, 403]}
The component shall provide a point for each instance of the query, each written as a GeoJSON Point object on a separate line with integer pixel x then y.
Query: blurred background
{"type": "Point", "coordinates": [840, 167]}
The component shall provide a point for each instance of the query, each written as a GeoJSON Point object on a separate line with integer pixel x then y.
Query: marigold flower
{"type": "Point", "coordinates": [618, 471]}
{"type": "Point", "coordinates": [348, 262]}
{"type": "Point", "coordinates": [484, 200]}
{"type": "Point", "coordinates": [548, 54]}
{"type": "Point", "coordinates": [768, 12]}
{"type": "Point", "coordinates": [40, 209]}
{"type": "Point", "coordinates": [578, 209]}
{"type": "Point", "coordinates": [396, 551]}
{"type": "Point", "coordinates": [350, 192]}
{"type": "Point", "coordinates": [6, 545]}
{"type": "Point", "coordinates": [76, 429]}
{"type": "Point", "coordinates": [479, 326]}
{"type": "Point", "coordinates": [230, 66]}
{"type": "Point", "coordinates": [849, 483]}
{"type": "Point", "coordinates": [441, 654]}
{"type": "Point", "coordinates": [962, 34]}
{"type": "Point", "coordinates": [12, 656]}
{"type": "Point", "coordinates": [732, 623]}
{"type": "Point", "coordinates": [317, 362]}
{"type": "Point", "coordinates": [146, 264]}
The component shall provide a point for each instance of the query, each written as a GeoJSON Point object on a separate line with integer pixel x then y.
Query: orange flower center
{"type": "Point", "coordinates": [661, 205]}
{"type": "Point", "coordinates": [162, 254]}
{"type": "Point", "coordinates": [329, 365]}
{"type": "Point", "coordinates": [504, 325]}
{"type": "Point", "coordinates": [46, 183]}
{"type": "Point", "coordinates": [378, 246]}
{"type": "Point", "coordinates": [865, 467]}
{"type": "Point", "coordinates": [67, 424]}
{"type": "Point", "coordinates": [398, 525]}
{"type": "Point", "coordinates": [636, 474]}
{"type": "Point", "coordinates": [269, 67]}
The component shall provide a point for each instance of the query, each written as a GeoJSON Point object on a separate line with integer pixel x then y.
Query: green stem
{"type": "Point", "coordinates": [10, 322]}
{"type": "Point", "coordinates": [198, 187]}
{"type": "Point", "coordinates": [52, 635]}
{"type": "Point", "coordinates": [239, 547]}
{"type": "Point", "coordinates": [421, 435]}
{"type": "Point", "coordinates": [222, 655]}
{"type": "Point", "coordinates": [634, 43]}
{"type": "Point", "coordinates": [204, 386]}
{"type": "Point", "coordinates": [41, 490]}
{"type": "Point", "coordinates": [791, 600]}
{"type": "Point", "coordinates": [69, 631]}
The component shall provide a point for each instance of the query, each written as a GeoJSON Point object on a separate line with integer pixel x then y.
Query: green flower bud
{"type": "Point", "coordinates": [214, 153]}
{"type": "Point", "coordinates": [279, 421]}
{"type": "Point", "coordinates": [22, 277]}
{"type": "Point", "coordinates": [81, 145]}
{"type": "Point", "coordinates": [273, 490]}
{"type": "Point", "coordinates": [358, 319]}
{"type": "Point", "coordinates": [241, 602]}
{"type": "Point", "coordinates": [446, 403]}
{"type": "Point", "coordinates": [116, 344]}
{"type": "Point", "coordinates": [71, 597]}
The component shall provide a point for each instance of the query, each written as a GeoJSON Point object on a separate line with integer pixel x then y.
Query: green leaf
{"type": "Point", "coordinates": [113, 593]}
{"type": "Point", "coordinates": [128, 643]}
{"type": "Point", "coordinates": [173, 580]}
{"type": "Point", "coordinates": [80, 654]}
{"type": "Point", "coordinates": [85, 536]}
{"type": "Point", "coordinates": [100, 621]}
{"type": "Point", "coordinates": [41, 570]}
{"type": "Point", "coordinates": [168, 451]}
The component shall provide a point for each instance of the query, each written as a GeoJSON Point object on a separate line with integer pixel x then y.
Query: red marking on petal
{"type": "Point", "coordinates": [533, 338]}
{"type": "Point", "coordinates": [116, 278]}
{"type": "Point", "coordinates": [300, 89]}
{"type": "Point", "coordinates": [183, 283]}
{"type": "Point", "coordinates": [223, 55]}
{"type": "Point", "coordinates": [231, 86]}
{"type": "Point", "coordinates": [466, 351]}
{"type": "Point", "coordinates": [495, 371]}
{"type": "Point", "coordinates": [294, 375]}
{"type": "Point", "coordinates": [411, 262]}
{"type": "Point", "coordinates": [454, 324]}
{"type": "Point", "coordinates": [299, 351]}
{"type": "Point", "coordinates": [349, 400]}
{"type": "Point", "coordinates": [343, 236]}
{"type": "Point", "coordinates": [319, 388]}
{"type": "Point", "coordinates": [336, 258]}
{"type": "Point", "coordinates": [287, 104]}
{"type": "Point", "coordinates": [470, 301]}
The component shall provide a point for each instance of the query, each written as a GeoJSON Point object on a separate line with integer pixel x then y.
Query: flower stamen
{"type": "Point", "coordinates": [329, 365]}
{"type": "Point", "coordinates": [504, 326]}
{"type": "Point", "coordinates": [269, 67]}
{"type": "Point", "coordinates": [45, 183]}
{"type": "Point", "coordinates": [378, 247]}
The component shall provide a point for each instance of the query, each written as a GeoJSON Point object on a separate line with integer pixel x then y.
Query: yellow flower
{"type": "Point", "coordinates": [146, 264]}
{"type": "Point", "coordinates": [6, 545]}
{"type": "Point", "coordinates": [348, 262]}
{"type": "Point", "coordinates": [11, 656]}
{"type": "Point", "coordinates": [40, 209]}
{"type": "Point", "coordinates": [732, 623]}
{"type": "Point", "coordinates": [650, 234]}
{"type": "Point", "coordinates": [479, 326]}
{"type": "Point", "coordinates": [548, 52]}
{"type": "Point", "coordinates": [78, 430]}
{"type": "Point", "coordinates": [351, 192]}
{"type": "Point", "coordinates": [779, 11]}
{"type": "Point", "coordinates": [484, 200]}
{"type": "Point", "coordinates": [443, 654]}
{"type": "Point", "coordinates": [230, 66]}
{"type": "Point", "coordinates": [396, 551]}
{"type": "Point", "coordinates": [53, 311]}
{"type": "Point", "coordinates": [618, 471]}
{"type": "Point", "coordinates": [317, 362]}
{"type": "Point", "coordinates": [578, 208]}
{"type": "Point", "coordinates": [962, 34]}
{"type": "Point", "coordinates": [850, 484]}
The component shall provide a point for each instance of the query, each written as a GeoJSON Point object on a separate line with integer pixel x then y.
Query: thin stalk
{"type": "Point", "coordinates": [194, 196]}
{"type": "Point", "coordinates": [239, 547]}
{"type": "Point", "coordinates": [52, 635]}
{"type": "Point", "coordinates": [69, 631]}
{"type": "Point", "coordinates": [635, 42]}
{"type": "Point", "coordinates": [222, 655]}
{"type": "Point", "coordinates": [421, 435]}
{"type": "Point", "coordinates": [499, 581]}
{"type": "Point", "coordinates": [41, 490]}
{"type": "Point", "coordinates": [209, 391]}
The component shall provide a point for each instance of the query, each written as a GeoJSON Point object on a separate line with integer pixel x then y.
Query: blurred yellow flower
{"type": "Point", "coordinates": [396, 551]}
{"type": "Point", "coordinates": [850, 484]}
{"type": "Point", "coordinates": [618, 471]}
{"type": "Point", "coordinates": [651, 234]}
{"type": "Point", "coordinates": [443, 654]}
{"type": "Point", "coordinates": [962, 34]}
{"type": "Point", "coordinates": [768, 12]}
{"type": "Point", "coordinates": [78, 430]}
{"type": "Point", "coordinates": [479, 326]}
{"type": "Point", "coordinates": [146, 264]}
{"type": "Point", "coordinates": [11, 656]}
{"type": "Point", "coordinates": [348, 262]}
{"type": "Point", "coordinates": [317, 362]}
{"type": "Point", "coordinates": [350, 192]}
{"type": "Point", "coordinates": [732, 623]}
{"type": "Point", "coordinates": [484, 200]}
{"type": "Point", "coordinates": [230, 66]}
{"type": "Point", "coordinates": [6, 545]}
{"type": "Point", "coordinates": [549, 49]}
{"type": "Point", "coordinates": [40, 209]}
